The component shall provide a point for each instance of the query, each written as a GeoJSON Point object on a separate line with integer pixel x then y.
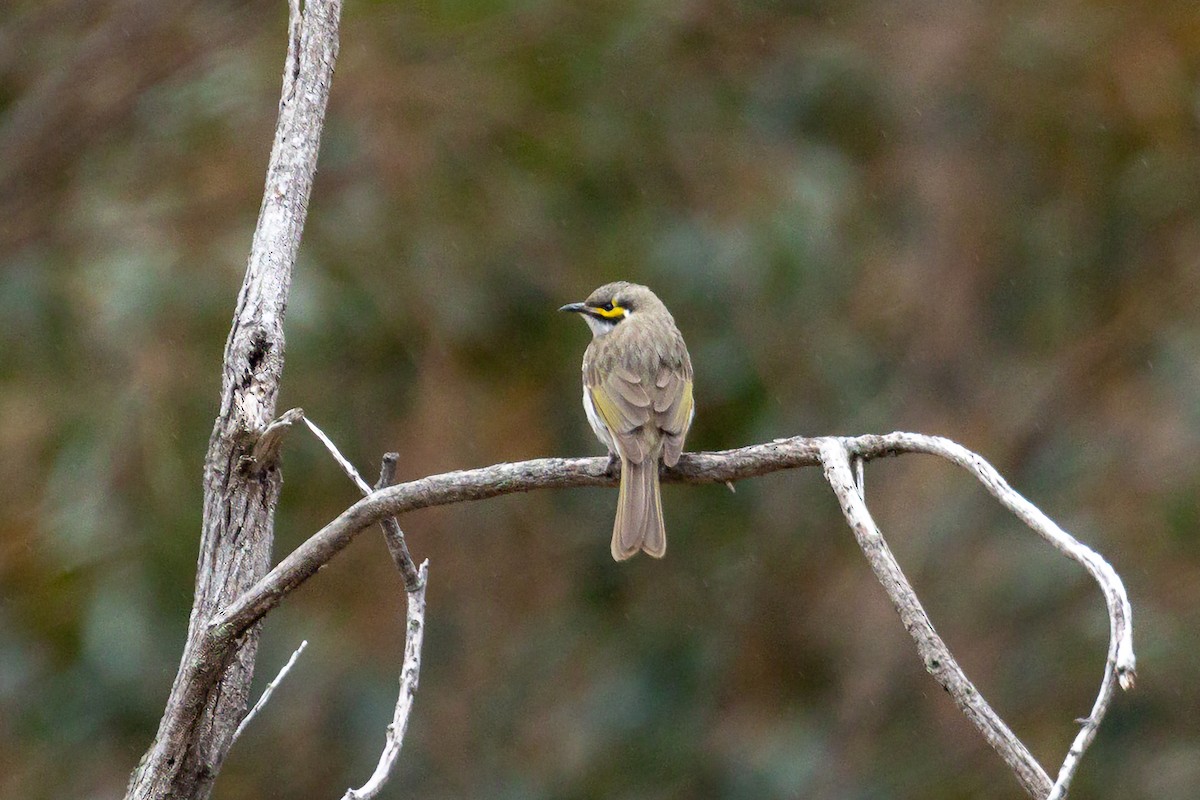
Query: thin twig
{"type": "Point", "coordinates": [938, 660]}
{"type": "Point", "coordinates": [410, 674]}
{"type": "Point", "coordinates": [387, 470]}
{"type": "Point", "coordinates": [341, 460]}
{"type": "Point", "coordinates": [266, 695]}
{"type": "Point", "coordinates": [392, 535]}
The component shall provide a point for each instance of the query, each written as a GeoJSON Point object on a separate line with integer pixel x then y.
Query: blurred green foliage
{"type": "Point", "coordinates": [977, 220]}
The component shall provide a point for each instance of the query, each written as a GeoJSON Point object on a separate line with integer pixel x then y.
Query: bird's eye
{"type": "Point", "coordinates": [608, 306]}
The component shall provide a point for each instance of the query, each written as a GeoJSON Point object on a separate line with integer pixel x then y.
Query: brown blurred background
{"type": "Point", "coordinates": [980, 220]}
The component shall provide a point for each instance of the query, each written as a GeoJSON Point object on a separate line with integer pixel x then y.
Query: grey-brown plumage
{"type": "Point", "coordinates": [637, 392]}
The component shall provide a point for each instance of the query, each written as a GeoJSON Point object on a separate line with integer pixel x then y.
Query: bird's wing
{"type": "Point", "coordinates": [625, 405]}
{"type": "Point", "coordinates": [673, 406]}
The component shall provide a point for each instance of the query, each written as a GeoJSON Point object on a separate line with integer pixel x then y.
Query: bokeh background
{"type": "Point", "coordinates": [980, 220]}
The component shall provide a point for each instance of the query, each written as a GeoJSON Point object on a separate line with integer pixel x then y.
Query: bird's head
{"type": "Point", "coordinates": [614, 303]}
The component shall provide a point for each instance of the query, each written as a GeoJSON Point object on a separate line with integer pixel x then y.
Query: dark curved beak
{"type": "Point", "coordinates": [576, 308]}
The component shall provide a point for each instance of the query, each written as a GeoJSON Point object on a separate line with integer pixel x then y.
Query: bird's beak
{"type": "Point", "coordinates": [575, 308]}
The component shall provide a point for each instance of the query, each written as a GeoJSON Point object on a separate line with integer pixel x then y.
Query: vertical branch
{"type": "Point", "coordinates": [392, 534]}
{"type": "Point", "coordinates": [415, 581]}
{"type": "Point", "coordinates": [410, 674]}
{"type": "Point", "coordinates": [209, 693]}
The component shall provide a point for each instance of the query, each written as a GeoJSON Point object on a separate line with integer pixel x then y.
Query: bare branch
{"type": "Point", "coordinates": [392, 535]}
{"type": "Point", "coordinates": [387, 470]}
{"type": "Point", "coordinates": [341, 460]}
{"type": "Point", "coordinates": [391, 529]}
{"type": "Point", "coordinates": [211, 688]}
{"type": "Point", "coordinates": [414, 583]}
{"type": "Point", "coordinates": [693, 468]}
{"type": "Point", "coordinates": [933, 651]}
{"type": "Point", "coordinates": [410, 673]}
{"type": "Point", "coordinates": [266, 449]}
{"type": "Point", "coordinates": [267, 692]}
{"type": "Point", "coordinates": [480, 484]}
{"type": "Point", "coordinates": [1115, 596]}
{"type": "Point", "coordinates": [1121, 664]}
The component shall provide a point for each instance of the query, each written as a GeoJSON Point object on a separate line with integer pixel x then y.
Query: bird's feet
{"type": "Point", "coordinates": [614, 465]}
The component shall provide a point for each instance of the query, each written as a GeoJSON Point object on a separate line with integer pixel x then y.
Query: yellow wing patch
{"type": "Point", "coordinates": [683, 415]}
{"type": "Point", "coordinates": [606, 408]}
{"type": "Point", "coordinates": [619, 418]}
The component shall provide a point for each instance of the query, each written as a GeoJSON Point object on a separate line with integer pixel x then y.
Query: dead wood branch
{"type": "Point", "coordinates": [836, 454]}
{"type": "Point", "coordinates": [208, 697]}
{"type": "Point", "coordinates": [410, 674]}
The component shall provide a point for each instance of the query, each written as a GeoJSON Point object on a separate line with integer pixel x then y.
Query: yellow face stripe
{"type": "Point", "coordinates": [616, 313]}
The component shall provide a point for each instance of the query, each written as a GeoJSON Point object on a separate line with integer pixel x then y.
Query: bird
{"type": "Point", "coordinates": [637, 394]}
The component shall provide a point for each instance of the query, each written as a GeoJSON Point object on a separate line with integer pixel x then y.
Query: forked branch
{"type": "Point", "coordinates": [1120, 665]}
{"type": "Point", "coordinates": [835, 455]}
{"type": "Point", "coordinates": [936, 657]}
{"type": "Point", "coordinates": [415, 583]}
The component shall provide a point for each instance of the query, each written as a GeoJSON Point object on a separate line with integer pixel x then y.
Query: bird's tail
{"type": "Point", "coordinates": [639, 523]}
